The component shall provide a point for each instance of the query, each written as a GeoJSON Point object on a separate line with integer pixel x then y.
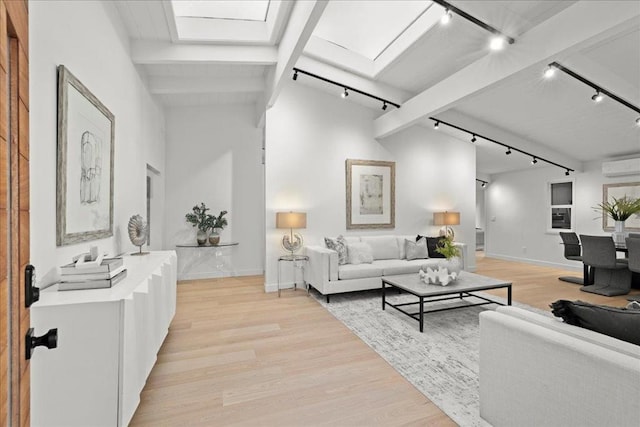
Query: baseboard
{"type": "Point", "coordinates": [219, 274]}
{"type": "Point", "coordinates": [570, 267]}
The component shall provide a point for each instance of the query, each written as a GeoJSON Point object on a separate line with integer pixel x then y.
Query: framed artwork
{"type": "Point", "coordinates": [629, 189]}
{"type": "Point", "coordinates": [371, 198]}
{"type": "Point", "coordinates": [84, 194]}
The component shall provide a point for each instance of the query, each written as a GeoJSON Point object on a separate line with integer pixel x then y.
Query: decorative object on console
{"type": "Point", "coordinates": [138, 233]}
{"type": "Point", "coordinates": [84, 194]}
{"type": "Point", "coordinates": [620, 209]}
{"type": "Point", "coordinates": [446, 219]}
{"type": "Point", "coordinates": [199, 218]}
{"type": "Point", "coordinates": [216, 224]}
{"type": "Point", "coordinates": [370, 188]}
{"type": "Point", "coordinates": [291, 242]}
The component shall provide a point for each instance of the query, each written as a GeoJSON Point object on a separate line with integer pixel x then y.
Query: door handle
{"type": "Point", "coordinates": [49, 340]}
{"type": "Point", "coordinates": [31, 293]}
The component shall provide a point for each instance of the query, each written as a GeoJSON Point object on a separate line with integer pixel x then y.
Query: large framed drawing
{"type": "Point", "coordinates": [84, 195]}
{"type": "Point", "coordinates": [371, 198]}
{"type": "Point", "coordinates": [629, 189]}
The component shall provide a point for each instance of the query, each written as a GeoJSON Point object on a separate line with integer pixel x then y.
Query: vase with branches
{"type": "Point", "coordinates": [216, 224]}
{"type": "Point", "coordinates": [451, 252]}
{"type": "Point", "coordinates": [619, 210]}
{"type": "Point", "coordinates": [199, 218]}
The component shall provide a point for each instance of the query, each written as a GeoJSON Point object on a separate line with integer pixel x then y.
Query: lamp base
{"type": "Point", "coordinates": [447, 232]}
{"type": "Point", "coordinates": [292, 246]}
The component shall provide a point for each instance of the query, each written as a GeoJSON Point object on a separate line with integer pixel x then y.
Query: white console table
{"type": "Point", "coordinates": [108, 340]}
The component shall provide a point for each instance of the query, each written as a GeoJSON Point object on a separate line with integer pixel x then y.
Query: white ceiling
{"type": "Point", "coordinates": [399, 51]}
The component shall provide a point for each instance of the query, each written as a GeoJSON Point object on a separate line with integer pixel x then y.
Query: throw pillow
{"type": "Point", "coordinates": [416, 250]}
{"type": "Point", "coordinates": [359, 253]}
{"type": "Point", "coordinates": [339, 245]}
{"type": "Point", "coordinates": [620, 323]}
{"type": "Point", "coordinates": [432, 244]}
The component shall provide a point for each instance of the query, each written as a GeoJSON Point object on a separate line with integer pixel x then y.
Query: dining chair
{"type": "Point", "coordinates": [573, 252]}
{"type": "Point", "coordinates": [633, 248]}
{"type": "Point", "coordinates": [611, 276]}
{"type": "Point", "coordinates": [634, 235]}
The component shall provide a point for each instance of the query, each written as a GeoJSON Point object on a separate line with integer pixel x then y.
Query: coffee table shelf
{"type": "Point", "coordinates": [462, 288]}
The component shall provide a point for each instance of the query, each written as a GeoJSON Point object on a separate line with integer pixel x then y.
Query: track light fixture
{"type": "Point", "coordinates": [496, 42]}
{"type": "Point", "coordinates": [597, 97]}
{"type": "Point", "coordinates": [549, 72]}
{"type": "Point", "coordinates": [346, 88]}
{"type": "Point", "coordinates": [482, 182]}
{"type": "Point", "coordinates": [473, 138]}
{"type": "Point", "coordinates": [509, 148]}
{"type": "Point", "coordinates": [567, 172]}
{"type": "Point", "coordinates": [436, 125]}
{"type": "Point", "coordinates": [600, 91]}
{"type": "Point", "coordinates": [446, 18]}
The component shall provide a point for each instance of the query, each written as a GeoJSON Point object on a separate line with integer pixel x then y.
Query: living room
{"type": "Point", "coordinates": [223, 122]}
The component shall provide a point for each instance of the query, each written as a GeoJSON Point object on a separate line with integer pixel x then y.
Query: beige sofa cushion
{"type": "Point", "coordinates": [383, 247]}
{"type": "Point", "coordinates": [359, 271]}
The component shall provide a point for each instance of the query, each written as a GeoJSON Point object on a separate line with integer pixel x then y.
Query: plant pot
{"type": "Point", "coordinates": [618, 235]}
{"type": "Point", "coordinates": [214, 238]}
{"type": "Point", "coordinates": [201, 237]}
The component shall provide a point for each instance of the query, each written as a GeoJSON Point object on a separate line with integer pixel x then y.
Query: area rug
{"type": "Point", "coordinates": [442, 362]}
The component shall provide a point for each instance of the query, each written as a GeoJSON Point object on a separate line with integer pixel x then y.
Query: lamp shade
{"type": "Point", "coordinates": [446, 218]}
{"type": "Point", "coordinates": [291, 220]}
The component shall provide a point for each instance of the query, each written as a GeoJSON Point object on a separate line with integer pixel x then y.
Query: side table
{"type": "Point", "coordinates": [298, 262]}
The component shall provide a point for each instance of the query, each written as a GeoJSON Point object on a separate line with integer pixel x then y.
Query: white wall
{"type": "Point", "coordinates": [214, 155]}
{"type": "Point", "coordinates": [88, 38]}
{"type": "Point", "coordinates": [310, 134]}
{"type": "Point", "coordinates": [517, 213]}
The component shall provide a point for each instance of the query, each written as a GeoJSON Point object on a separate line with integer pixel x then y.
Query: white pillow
{"type": "Point", "coordinates": [359, 253]}
{"type": "Point", "coordinates": [416, 250]}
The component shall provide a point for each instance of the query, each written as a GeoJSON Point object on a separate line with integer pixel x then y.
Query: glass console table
{"type": "Point", "coordinates": [195, 261]}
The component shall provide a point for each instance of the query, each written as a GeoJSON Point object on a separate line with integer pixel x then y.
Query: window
{"type": "Point", "coordinates": [560, 211]}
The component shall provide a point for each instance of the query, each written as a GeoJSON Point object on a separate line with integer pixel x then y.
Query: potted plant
{"type": "Point", "coordinates": [199, 218]}
{"type": "Point", "coordinates": [451, 252]}
{"type": "Point", "coordinates": [620, 210]}
{"type": "Point", "coordinates": [216, 224]}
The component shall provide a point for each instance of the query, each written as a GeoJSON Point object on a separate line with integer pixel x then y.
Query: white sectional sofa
{"type": "Point", "coordinates": [324, 274]}
{"type": "Point", "coordinates": [538, 371]}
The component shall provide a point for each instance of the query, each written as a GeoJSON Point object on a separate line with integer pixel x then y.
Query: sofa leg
{"type": "Point", "coordinates": [327, 299]}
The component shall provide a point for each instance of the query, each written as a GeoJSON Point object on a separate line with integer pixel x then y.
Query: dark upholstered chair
{"type": "Point", "coordinates": [573, 252]}
{"type": "Point", "coordinates": [633, 246]}
{"type": "Point", "coordinates": [611, 275]}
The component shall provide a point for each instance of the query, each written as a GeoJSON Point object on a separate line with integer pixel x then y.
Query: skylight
{"type": "Point", "coordinates": [254, 10]}
{"type": "Point", "coordinates": [368, 30]}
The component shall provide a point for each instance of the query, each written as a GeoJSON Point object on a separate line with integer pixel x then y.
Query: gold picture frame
{"type": "Point", "coordinates": [629, 189]}
{"type": "Point", "coordinates": [371, 194]}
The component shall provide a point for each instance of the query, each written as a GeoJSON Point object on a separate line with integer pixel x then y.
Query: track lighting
{"type": "Point", "coordinates": [549, 72]}
{"type": "Point", "coordinates": [482, 182]}
{"type": "Point", "coordinates": [475, 136]}
{"type": "Point", "coordinates": [567, 172]}
{"type": "Point", "coordinates": [446, 18]}
{"type": "Point", "coordinates": [597, 97]}
{"type": "Point", "coordinates": [497, 43]}
{"type": "Point", "coordinates": [600, 91]}
{"type": "Point", "coordinates": [345, 88]}
{"type": "Point", "coordinates": [437, 124]}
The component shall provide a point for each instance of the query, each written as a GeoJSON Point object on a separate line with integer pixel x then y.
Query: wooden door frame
{"type": "Point", "coordinates": [14, 132]}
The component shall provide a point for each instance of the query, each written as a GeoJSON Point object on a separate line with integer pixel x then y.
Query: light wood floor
{"type": "Point", "coordinates": [235, 356]}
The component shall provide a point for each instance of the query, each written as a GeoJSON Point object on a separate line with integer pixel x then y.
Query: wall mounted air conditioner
{"type": "Point", "coordinates": [621, 167]}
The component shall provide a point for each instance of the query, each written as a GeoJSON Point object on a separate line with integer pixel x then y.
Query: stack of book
{"type": "Point", "coordinates": [83, 276]}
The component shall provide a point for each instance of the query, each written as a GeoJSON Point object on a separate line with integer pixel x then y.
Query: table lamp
{"type": "Point", "coordinates": [291, 242]}
{"type": "Point", "coordinates": [446, 219]}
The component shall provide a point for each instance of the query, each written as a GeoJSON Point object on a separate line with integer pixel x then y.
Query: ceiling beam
{"type": "Point", "coordinates": [148, 52]}
{"type": "Point", "coordinates": [571, 30]}
{"type": "Point", "coordinates": [304, 18]}
{"type": "Point", "coordinates": [200, 84]}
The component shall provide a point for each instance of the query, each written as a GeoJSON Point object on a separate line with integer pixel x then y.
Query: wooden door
{"type": "Point", "coordinates": [14, 211]}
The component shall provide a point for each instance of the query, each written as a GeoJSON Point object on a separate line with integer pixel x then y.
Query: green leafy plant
{"type": "Point", "coordinates": [217, 221]}
{"type": "Point", "coordinates": [620, 209]}
{"type": "Point", "coordinates": [447, 248]}
{"type": "Point", "coordinates": [199, 217]}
